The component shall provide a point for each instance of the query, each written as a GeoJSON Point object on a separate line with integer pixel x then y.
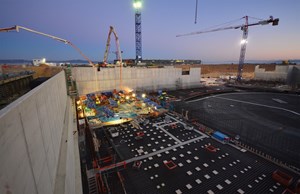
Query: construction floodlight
{"type": "Point", "coordinates": [137, 4]}
{"type": "Point", "coordinates": [244, 41]}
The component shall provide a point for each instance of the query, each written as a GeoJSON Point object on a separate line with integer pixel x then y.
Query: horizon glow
{"type": "Point", "coordinates": [82, 24]}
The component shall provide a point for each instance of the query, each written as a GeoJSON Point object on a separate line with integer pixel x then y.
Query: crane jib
{"type": "Point", "coordinates": [244, 28]}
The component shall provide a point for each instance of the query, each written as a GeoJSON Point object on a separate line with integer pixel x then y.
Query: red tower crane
{"type": "Point", "coordinates": [244, 28]}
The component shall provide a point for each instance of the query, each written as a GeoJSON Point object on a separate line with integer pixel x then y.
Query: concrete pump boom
{"type": "Point", "coordinates": [118, 52]}
{"type": "Point", "coordinates": [17, 28]}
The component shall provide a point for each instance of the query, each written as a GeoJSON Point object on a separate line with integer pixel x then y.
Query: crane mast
{"type": "Point", "coordinates": [243, 50]}
{"type": "Point", "coordinates": [137, 4]}
{"type": "Point", "coordinates": [244, 28]}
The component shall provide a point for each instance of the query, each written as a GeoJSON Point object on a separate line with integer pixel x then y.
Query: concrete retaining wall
{"type": "Point", "coordinates": [286, 73]}
{"type": "Point", "coordinates": [279, 74]}
{"type": "Point", "coordinates": [30, 138]}
{"type": "Point", "coordinates": [90, 80]}
{"type": "Point", "coordinates": [293, 77]}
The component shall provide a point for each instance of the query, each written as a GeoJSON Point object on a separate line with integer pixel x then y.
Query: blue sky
{"type": "Point", "coordinates": [86, 24]}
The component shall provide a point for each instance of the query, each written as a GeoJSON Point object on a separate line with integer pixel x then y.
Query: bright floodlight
{"type": "Point", "coordinates": [133, 94]}
{"type": "Point", "coordinates": [137, 4]}
{"type": "Point", "coordinates": [143, 95]}
{"type": "Point", "coordinates": [244, 41]}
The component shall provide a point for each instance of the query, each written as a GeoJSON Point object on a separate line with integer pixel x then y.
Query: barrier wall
{"type": "Point", "coordinates": [89, 80]}
{"type": "Point", "coordinates": [293, 77]}
{"type": "Point", "coordinates": [279, 74]}
{"type": "Point", "coordinates": [286, 73]}
{"type": "Point", "coordinates": [30, 138]}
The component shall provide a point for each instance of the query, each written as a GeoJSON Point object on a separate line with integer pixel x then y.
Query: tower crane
{"type": "Point", "coordinates": [244, 28]}
{"type": "Point", "coordinates": [17, 28]}
{"type": "Point", "coordinates": [137, 4]}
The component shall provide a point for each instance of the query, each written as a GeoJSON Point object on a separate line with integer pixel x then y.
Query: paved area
{"type": "Point", "coordinates": [175, 160]}
{"type": "Point", "coordinates": [198, 92]}
{"type": "Point", "coordinates": [201, 171]}
{"type": "Point", "coordinates": [158, 135]}
{"type": "Point", "coordinates": [267, 121]}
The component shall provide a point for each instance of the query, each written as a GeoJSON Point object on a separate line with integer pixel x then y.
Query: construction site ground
{"type": "Point", "coordinates": [268, 122]}
{"type": "Point", "coordinates": [176, 160]}
{"type": "Point", "coordinates": [173, 158]}
{"type": "Point", "coordinates": [39, 71]}
{"type": "Point", "coordinates": [215, 71]}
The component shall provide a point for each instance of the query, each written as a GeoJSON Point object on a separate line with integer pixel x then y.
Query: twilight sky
{"type": "Point", "coordinates": [86, 24]}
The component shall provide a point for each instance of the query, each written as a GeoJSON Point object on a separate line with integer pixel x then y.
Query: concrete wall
{"type": "Point", "coordinates": [30, 138]}
{"type": "Point", "coordinates": [89, 80]}
{"type": "Point", "coordinates": [279, 74]}
{"type": "Point", "coordinates": [293, 77]}
{"type": "Point", "coordinates": [286, 73]}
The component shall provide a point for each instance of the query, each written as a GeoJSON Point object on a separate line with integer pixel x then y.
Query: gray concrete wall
{"type": "Point", "coordinates": [279, 74]}
{"type": "Point", "coordinates": [293, 77]}
{"type": "Point", "coordinates": [30, 138]}
{"type": "Point", "coordinates": [286, 73]}
{"type": "Point", "coordinates": [90, 80]}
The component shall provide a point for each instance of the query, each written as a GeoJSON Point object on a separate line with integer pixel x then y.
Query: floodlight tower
{"type": "Point", "coordinates": [137, 4]}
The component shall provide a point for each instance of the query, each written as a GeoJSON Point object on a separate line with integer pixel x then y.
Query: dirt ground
{"type": "Point", "coordinates": [231, 70]}
{"type": "Point", "coordinates": [40, 71]}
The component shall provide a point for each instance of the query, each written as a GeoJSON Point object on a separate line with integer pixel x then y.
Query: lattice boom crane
{"type": "Point", "coordinates": [243, 27]}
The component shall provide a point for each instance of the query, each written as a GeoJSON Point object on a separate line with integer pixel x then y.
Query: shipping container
{"type": "Point", "coordinates": [220, 136]}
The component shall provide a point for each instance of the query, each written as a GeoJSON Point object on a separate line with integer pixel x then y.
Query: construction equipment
{"type": "Point", "coordinates": [282, 178]}
{"type": "Point", "coordinates": [17, 28]}
{"type": "Point", "coordinates": [244, 28]}
{"type": "Point", "coordinates": [137, 164]}
{"type": "Point", "coordinates": [137, 4]}
{"type": "Point", "coordinates": [118, 53]}
{"type": "Point", "coordinates": [107, 49]}
{"type": "Point", "coordinates": [139, 135]}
